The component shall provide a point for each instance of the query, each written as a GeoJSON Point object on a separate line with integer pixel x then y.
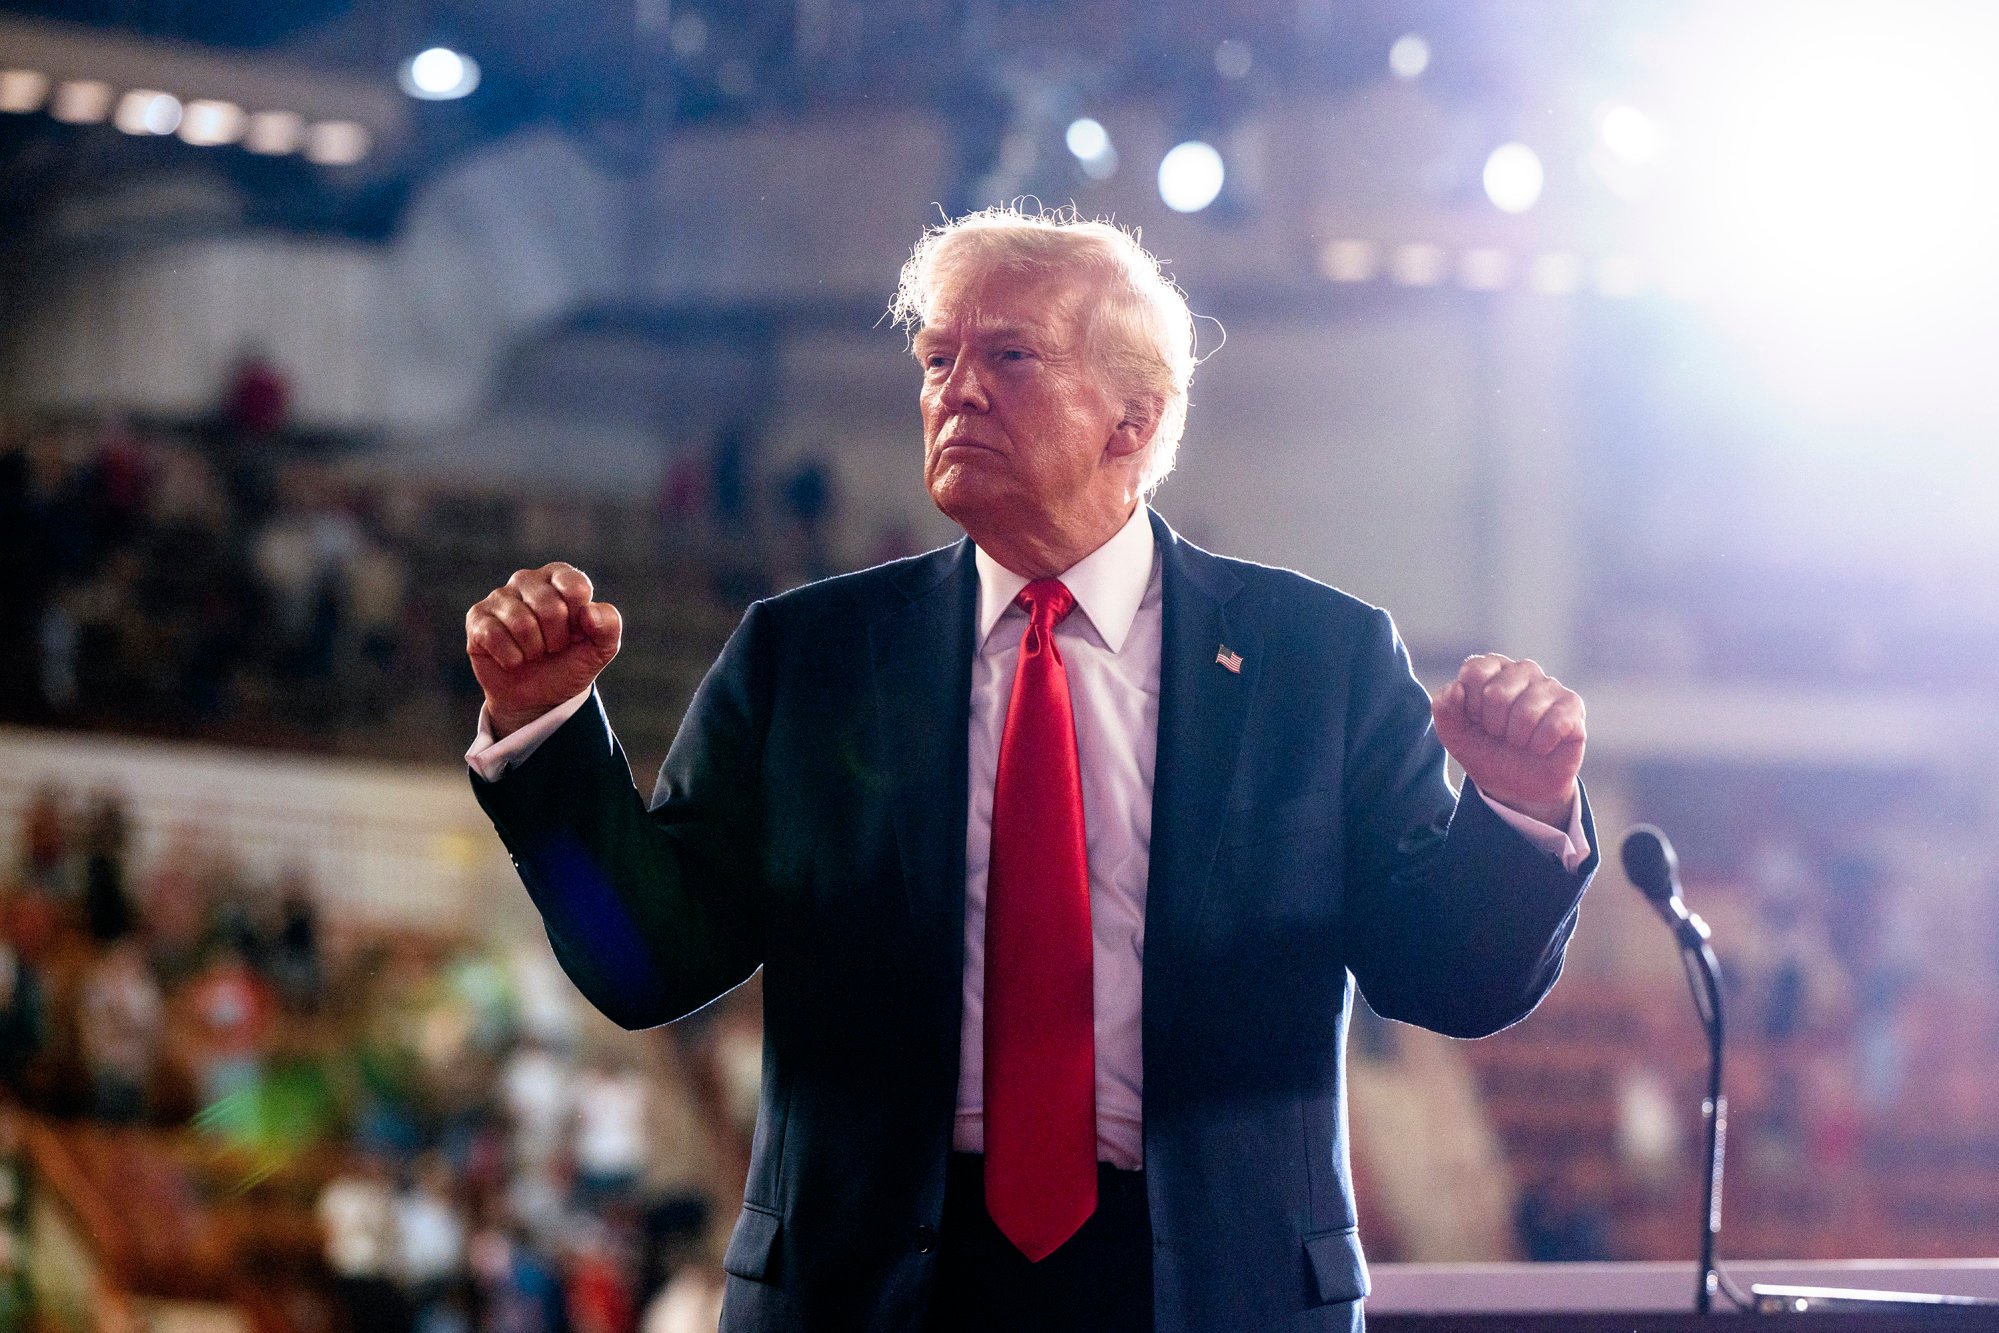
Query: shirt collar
{"type": "Point", "coordinates": [1108, 583]}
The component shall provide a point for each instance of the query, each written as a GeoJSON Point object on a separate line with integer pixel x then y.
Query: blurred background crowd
{"type": "Point", "coordinates": [1643, 337]}
{"type": "Point", "coordinates": [402, 1131]}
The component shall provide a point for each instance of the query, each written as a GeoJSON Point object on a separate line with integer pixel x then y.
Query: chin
{"type": "Point", "coordinates": [966, 500]}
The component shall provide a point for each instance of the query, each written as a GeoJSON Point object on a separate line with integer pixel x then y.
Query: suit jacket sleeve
{"type": "Point", "coordinates": [1454, 921]}
{"type": "Point", "coordinates": [652, 912]}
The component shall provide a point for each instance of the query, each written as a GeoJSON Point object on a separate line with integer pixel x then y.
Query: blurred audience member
{"type": "Point", "coordinates": [519, 1291]}
{"type": "Point", "coordinates": [809, 497]}
{"type": "Point", "coordinates": [547, 1008]}
{"type": "Point", "coordinates": [257, 402]}
{"type": "Point", "coordinates": [1650, 1147]}
{"type": "Point", "coordinates": [107, 907]}
{"type": "Point", "coordinates": [303, 557]}
{"type": "Point", "coordinates": [178, 903]}
{"type": "Point", "coordinates": [535, 1086]}
{"type": "Point", "coordinates": [119, 1027]}
{"type": "Point", "coordinates": [46, 847]}
{"type": "Point", "coordinates": [291, 957]}
{"type": "Point", "coordinates": [22, 1005]}
{"type": "Point", "coordinates": [232, 1008]}
{"type": "Point", "coordinates": [610, 1133]}
{"type": "Point", "coordinates": [377, 603]}
{"type": "Point", "coordinates": [430, 1246]}
{"type": "Point", "coordinates": [599, 1296]}
{"type": "Point", "coordinates": [1560, 1219]}
{"type": "Point", "coordinates": [690, 1303]}
{"type": "Point", "coordinates": [357, 1218]}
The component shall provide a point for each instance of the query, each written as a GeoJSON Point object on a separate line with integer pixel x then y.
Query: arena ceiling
{"type": "Point", "coordinates": [619, 75]}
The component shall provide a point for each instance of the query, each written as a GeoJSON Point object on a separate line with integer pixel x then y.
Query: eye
{"type": "Point", "coordinates": [1016, 354]}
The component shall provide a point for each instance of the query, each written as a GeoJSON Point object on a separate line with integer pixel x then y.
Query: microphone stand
{"type": "Point", "coordinates": [1649, 861]}
{"type": "Point", "coordinates": [1704, 978]}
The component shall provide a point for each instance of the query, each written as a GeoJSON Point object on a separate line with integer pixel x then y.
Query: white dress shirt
{"type": "Point", "coordinates": [1110, 646]}
{"type": "Point", "coordinates": [1110, 650]}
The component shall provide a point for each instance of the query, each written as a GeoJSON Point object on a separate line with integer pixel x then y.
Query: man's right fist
{"type": "Point", "coordinates": [538, 641]}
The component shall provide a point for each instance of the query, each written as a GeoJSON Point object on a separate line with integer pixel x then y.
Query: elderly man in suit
{"type": "Point", "coordinates": [1061, 850]}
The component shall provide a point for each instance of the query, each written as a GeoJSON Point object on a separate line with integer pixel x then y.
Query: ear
{"type": "Point", "coordinates": [1134, 431]}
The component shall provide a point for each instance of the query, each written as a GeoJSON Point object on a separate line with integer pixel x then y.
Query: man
{"type": "Point", "coordinates": [1059, 849]}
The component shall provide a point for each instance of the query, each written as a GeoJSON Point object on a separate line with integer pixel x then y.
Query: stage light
{"type": "Point", "coordinates": [439, 75]}
{"type": "Point", "coordinates": [146, 111]}
{"type": "Point", "coordinates": [1629, 133]}
{"type": "Point", "coordinates": [208, 122]}
{"type": "Point", "coordinates": [274, 133]}
{"type": "Point", "coordinates": [1410, 56]}
{"type": "Point", "coordinates": [1090, 143]}
{"type": "Point", "coordinates": [1513, 178]}
{"type": "Point", "coordinates": [1417, 264]}
{"type": "Point", "coordinates": [336, 143]}
{"type": "Point", "coordinates": [22, 89]}
{"type": "Point", "coordinates": [1190, 176]}
{"type": "Point", "coordinates": [1086, 138]}
{"type": "Point", "coordinates": [81, 101]}
{"type": "Point", "coordinates": [1350, 260]}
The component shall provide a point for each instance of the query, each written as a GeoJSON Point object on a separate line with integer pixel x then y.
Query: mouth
{"type": "Point", "coordinates": [961, 442]}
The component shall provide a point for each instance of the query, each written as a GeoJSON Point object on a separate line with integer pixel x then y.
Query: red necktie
{"type": "Point", "coordinates": [1040, 1074]}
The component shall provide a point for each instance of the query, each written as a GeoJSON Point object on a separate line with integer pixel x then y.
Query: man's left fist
{"type": "Point", "coordinates": [1517, 732]}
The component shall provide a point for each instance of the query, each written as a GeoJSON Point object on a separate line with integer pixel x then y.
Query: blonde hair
{"type": "Point", "coordinates": [1141, 330]}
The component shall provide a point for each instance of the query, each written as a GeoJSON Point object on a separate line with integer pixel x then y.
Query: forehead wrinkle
{"type": "Point", "coordinates": [1062, 324]}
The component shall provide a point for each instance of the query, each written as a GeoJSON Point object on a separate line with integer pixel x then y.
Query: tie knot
{"type": "Point", "coordinates": [1046, 602]}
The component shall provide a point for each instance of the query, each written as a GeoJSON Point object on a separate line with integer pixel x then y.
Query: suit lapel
{"type": "Point", "coordinates": [923, 672]}
{"type": "Point", "coordinates": [1202, 708]}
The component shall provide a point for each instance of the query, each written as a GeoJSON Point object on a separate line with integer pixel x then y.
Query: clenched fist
{"type": "Point", "coordinates": [538, 641]}
{"type": "Point", "coordinates": [1517, 732]}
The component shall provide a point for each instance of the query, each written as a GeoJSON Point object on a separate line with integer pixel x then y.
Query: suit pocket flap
{"type": "Point", "coordinates": [1338, 1265]}
{"type": "Point", "coordinates": [752, 1243]}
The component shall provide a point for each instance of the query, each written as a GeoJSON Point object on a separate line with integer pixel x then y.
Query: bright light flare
{"type": "Point", "coordinates": [273, 133]}
{"type": "Point", "coordinates": [81, 101]}
{"type": "Point", "coordinates": [1513, 178]}
{"type": "Point", "coordinates": [1410, 56]}
{"type": "Point", "coordinates": [144, 111]}
{"type": "Point", "coordinates": [1629, 133]}
{"type": "Point", "coordinates": [1830, 181]}
{"type": "Point", "coordinates": [439, 75]}
{"type": "Point", "coordinates": [210, 121]}
{"type": "Point", "coordinates": [1090, 144]}
{"type": "Point", "coordinates": [1086, 138]}
{"type": "Point", "coordinates": [1190, 176]}
{"type": "Point", "coordinates": [336, 143]}
{"type": "Point", "coordinates": [22, 89]}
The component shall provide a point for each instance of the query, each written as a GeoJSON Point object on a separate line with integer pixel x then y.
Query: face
{"type": "Point", "coordinates": [1023, 442]}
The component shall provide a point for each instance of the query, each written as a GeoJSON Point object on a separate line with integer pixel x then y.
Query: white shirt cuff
{"type": "Point", "coordinates": [491, 759]}
{"type": "Point", "coordinates": [1570, 848]}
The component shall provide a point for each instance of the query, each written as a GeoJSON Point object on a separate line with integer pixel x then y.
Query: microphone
{"type": "Point", "coordinates": [1649, 864]}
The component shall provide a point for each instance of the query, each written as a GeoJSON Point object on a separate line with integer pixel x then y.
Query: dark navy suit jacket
{"type": "Point", "coordinates": [810, 820]}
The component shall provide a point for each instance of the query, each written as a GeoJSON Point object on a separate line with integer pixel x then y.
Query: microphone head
{"type": "Point", "coordinates": [1650, 864]}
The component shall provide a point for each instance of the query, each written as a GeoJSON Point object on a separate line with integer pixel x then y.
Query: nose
{"type": "Point", "coordinates": [962, 391]}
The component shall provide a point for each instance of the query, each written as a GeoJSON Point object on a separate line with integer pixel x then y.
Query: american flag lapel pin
{"type": "Point", "coordinates": [1228, 660]}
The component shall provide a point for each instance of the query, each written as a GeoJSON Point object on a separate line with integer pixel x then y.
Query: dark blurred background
{"type": "Point", "coordinates": [1649, 338]}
